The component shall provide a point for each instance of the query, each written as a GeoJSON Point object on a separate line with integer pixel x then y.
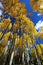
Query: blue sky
{"type": "Point", "coordinates": [27, 3]}
{"type": "Point", "coordinates": [36, 17]}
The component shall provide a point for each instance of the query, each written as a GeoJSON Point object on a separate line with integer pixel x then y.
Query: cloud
{"type": "Point", "coordinates": [1, 6]}
{"type": "Point", "coordinates": [39, 24]}
{"type": "Point", "coordinates": [1, 12]}
{"type": "Point", "coordinates": [38, 14]}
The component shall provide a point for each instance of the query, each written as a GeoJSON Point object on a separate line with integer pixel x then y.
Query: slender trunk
{"type": "Point", "coordinates": [11, 60]}
{"type": "Point", "coordinates": [6, 53]}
